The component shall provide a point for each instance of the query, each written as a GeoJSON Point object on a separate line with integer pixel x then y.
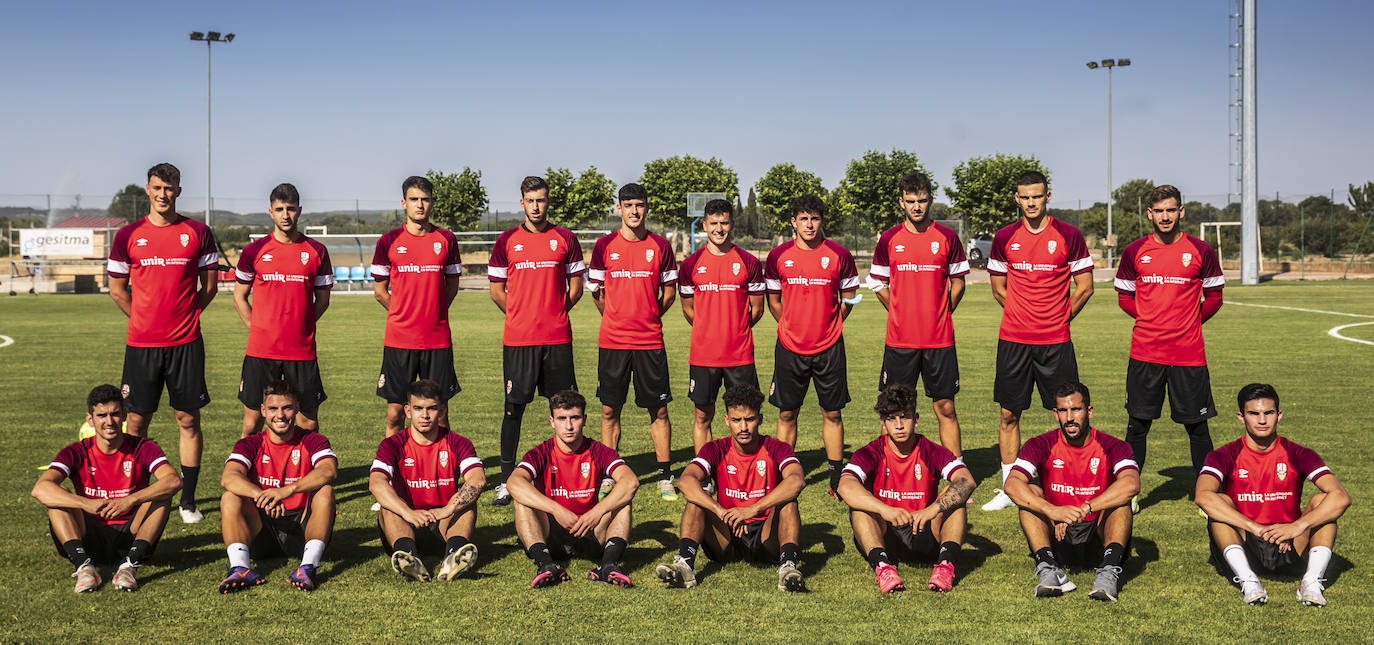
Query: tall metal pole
{"type": "Point", "coordinates": [1249, 205]}
{"type": "Point", "coordinates": [207, 133]}
{"type": "Point", "coordinates": [1111, 245]}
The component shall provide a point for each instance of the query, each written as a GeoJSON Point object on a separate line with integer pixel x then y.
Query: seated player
{"type": "Point", "coordinates": [889, 486]}
{"type": "Point", "coordinates": [278, 494]}
{"type": "Point", "coordinates": [754, 513]}
{"type": "Point", "coordinates": [116, 509]}
{"type": "Point", "coordinates": [415, 480]}
{"type": "Point", "coordinates": [557, 512]}
{"type": "Point", "coordinates": [1251, 490]}
{"type": "Point", "coordinates": [1082, 503]}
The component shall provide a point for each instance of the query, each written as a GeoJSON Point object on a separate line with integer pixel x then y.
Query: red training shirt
{"type": "Point", "coordinates": [1069, 475]}
{"type": "Point", "coordinates": [741, 479]}
{"type": "Point", "coordinates": [1265, 487]}
{"type": "Point", "coordinates": [417, 268]}
{"type": "Point", "coordinates": [631, 273]}
{"type": "Point", "coordinates": [570, 478]}
{"type": "Point", "coordinates": [283, 278]}
{"type": "Point", "coordinates": [96, 475]}
{"type": "Point", "coordinates": [906, 482]}
{"type": "Point", "coordinates": [163, 265]}
{"type": "Point", "coordinates": [535, 267]}
{"type": "Point", "coordinates": [916, 268]}
{"type": "Point", "coordinates": [720, 287]}
{"type": "Point", "coordinates": [810, 282]}
{"type": "Point", "coordinates": [1037, 267]}
{"type": "Point", "coordinates": [1167, 282]}
{"type": "Point", "coordinates": [425, 476]}
{"type": "Point", "coordinates": [274, 465]}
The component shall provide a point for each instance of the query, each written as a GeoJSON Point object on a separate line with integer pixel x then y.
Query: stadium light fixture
{"type": "Point", "coordinates": [1092, 64]}
{"type": "Point", "coordinates": [1108, 64]}
{"type": "Point", "coordinates": [209, 37]}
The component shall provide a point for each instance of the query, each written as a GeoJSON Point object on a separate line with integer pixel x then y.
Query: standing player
{"type": "Point", "coordinates": [1251, 490]}
{"type": "Point", "coordinates": [889, 486]}
{"type": "Point", "coordinates": [722, 291]}
{"type": "Point", "coordinates": [1081, 504]}
{"type": "Point", "coordinates": [632, 278]}
{"type": "Point", "coordinates": [812, 284]}
{"type": "Point", "coordinates": [116, 509]}
{"type": "Point", "coordinates": [1170, 283]}
{"type": "Point", "coordinates": [278, 495]}
{"type": "Point", "coordinates": [920, 268]}
{"type": "Point", "coordinates": [536, 272]}
{"type": "Point", "coordinates": [162, 275]}
{"type": "Point", "coordinates": [415, 480]}
{"type": "Point", "coordinates": [557, 513]}
{"type": "Point", "coordinates": [289, 277]}
{"type": "Point", "coordinates": [415, 269]}
{"type": "Point", "coordinates": [754, 513]}
{"type": "Point", "coordinates": [1030, 265]}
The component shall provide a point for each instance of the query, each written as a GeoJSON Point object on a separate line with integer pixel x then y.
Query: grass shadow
{"type": "Point", "coordinates": [351, 484]}
{"type": "Point", "coordinates": [185, 552]}
{"type": "Point", "coordinates": [1178, 484]}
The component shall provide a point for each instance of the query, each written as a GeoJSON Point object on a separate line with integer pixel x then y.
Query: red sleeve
{"type": "Point", "coordinates": [381, 262]}
{"type": "Point", "coordinates": [209, 253]}
{"type": "Point", "coordinates": [596, 273]}
{"type": "Point", "coordinates": [535, 460]}
{"type": "Point", "coordinates": [498, 265]}
{"type": "Point", "coordinates": [1080, 260]}
{"type": "Point", "coordinates": [388, 455]}
{"type": "Point", "coordinates": [686, 283]}
{"type": "Point", "coordinates": [244, 271]}
{"type": "Point", "coordinates": [1211, 303]}
{"type": "Point", "coordinates": [324, 277]}
{"type": "Point", "coordinates": [318, 447]}
{"type": "Point", "coordinates": [1219, 463]}
{"type": "Point", "coordinates": [667, 262]}
{"type": "Point", "coordinates": [68, 459]}
{"type": "Point", "coordinates": [1033, 455]}
{"type": "Point", "coordinates": [1125, 266]}
{"type": "Point", "coordinates": [771, 277]}
{"type": "Point", "coordinates": [943, 460]}
{"type": "Point", "coordinates": [958, 262]}
{"type": "Point", "coordinates": [708, 458]}
{"type": "Point", "coordinates": [573, 265]}
{"type": "Point", "coordinates": [453, 262]}
{"type": "Point", "coordinates": [1126, 299]}
{"type": "Point", "coordinates": [757, 286]}
{"type": "Point", "coordinates": [881, 268]}
{"type": "Point", "coordinates": [782, 453]}
{"type": "Point", "coordinates": [149, 455]}
{"type": "Point", "coordinates": [863, 463]}
{"type": "Point", "coordinates": [607, 460]}
{"type": "Point", "coordinates": [245, 450]}
{"type": "Point", "coordinates": [1120, 454]}
{"type": "Point", "coordinates": [118, 264]}
{"type": "Point", "coordinates": [464, 453]}
{"type": "Point", "coordinates": [997, 255]}
{"type": "Point", "coordinates": [1212, 276]}
{"type": "Point", "coordinates": [1307, 462]}
{"type": "Point", "coordinates": [848, 273]}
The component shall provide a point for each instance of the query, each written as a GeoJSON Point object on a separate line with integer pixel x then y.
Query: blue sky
{"type": "Point", "coordinates": [346, 99]}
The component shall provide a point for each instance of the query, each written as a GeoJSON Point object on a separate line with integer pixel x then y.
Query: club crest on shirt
{"type": "Point", "coordinates": [1051, 246]}
{"type": "Point", "coordinates": [295, 457]}
{"type": "Point", "coordinates": [1187, 259]}
{"type": "Point", "coordinates": [761, 466]}
{"type": "Point", "coordinates": [305, 258]}
{"type": "Point", "coordinates": [734, 268]}
{"type": "Point", "coordinates": [443, 459]}
{"type": "Point", "coordinates": [128, 468]}
{"type": "Point", "coordinates": [648, 255]}
{"type": "Point", "coordinates": [1282, 471]}
{"type": "Point", "coordinates": [185, 239]}
{"type": "Point", "coordinates": [934, 247]}
{"type": "Point", "coordinates": [825, 263]}
{"type": "Point", "coordinates": [553, 245]}
{"type": "Point", "coordinates": [438, 247]}
{"type": "Point", "coordinates": [586, 469]}
{"type": "Point", "coordinates": [916, 471]}
{"type": "Point", "coordinates": [1093, 464]}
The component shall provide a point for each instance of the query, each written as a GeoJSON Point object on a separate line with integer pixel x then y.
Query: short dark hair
{"type": "Point", "coordinates": [1163, 192]}
{"type": "Point", "coordinates": [718, 206]}
{"type": "Point", "coordinates": [285, 193]}
{"type": "Point", "coordinates": [281, 388]}
{"type": "Point", "coordinates": [425, 389]}
{"type": "Point", "coordinates": [531, 184]}
{"type": "Point", "coordinates": [633, 191]}
{"type": "Point", "coordinates": [567, 400]}
{"type": "Point", "coordinates": [743, 395]}
{"type": "Point", "coordinates": [102, 394]}
{"type": "Point", "coordinates": [898, 397]}
{"type": "Point", "coordinates": [1256, 391]}
{"type": "Point", "coordinates": [166, 172]}
{"type": "Point", "coordinates": [808, 204]}
{"type": "Point", "coordinates": [1070, 388]}
{"type": "Point", "coordinates": [915, 182]}
{"type": "Point", "coordinates": [1031, 178]}
{"type": "Point", "coordinates": [416, 181]}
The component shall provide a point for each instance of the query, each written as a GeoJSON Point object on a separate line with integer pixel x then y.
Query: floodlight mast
{"type": "Point", "coordinates": [1108, 64]}
{"type": "Point", "coordinates": [209, 37]}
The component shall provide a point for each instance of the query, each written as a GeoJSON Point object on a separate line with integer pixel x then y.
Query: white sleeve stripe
{"type": "Point", "coordinates": [115, 266]}
{"type": "Point", "coordinates": [156, 462]}
{"type": "Point", "coordinates": [773, 285]}
{"type": "Point", "coordinates": [592, 286]}
{"type": "Point", "coordinates": [60, 466]}
{"type": "Point", "coordinates": [952, 466]}
{"type": "Point", "coordinates": [789, 460]}
{"type": "Point", "coordinates": [327, 452]}
{"type": "Point", "coordinates": [378, 269]}
{"type": "Point", "coordinates": [1312, 476]}
{"type": "Point", "coordinates": [667, 276]}
{"type": "Point", "coordinates": [453, 269]}
{"type": "Point", "coordinates": [757, 287]}
{"type": "Point", "coordinates": [1124, 285]}
{"type": "Point", "coordinates": [852, 282]}
{"type": "Point", "coordinates": [324, 280]}
{"type": "Point", "coordinates": [1214, 281]}
{"type": "Point", "coordinates": [958, 267]}
{"type": "Point", "coordinates": [596, 275]}
{"type": "Point", "coordinates": [208, 260]}
{"type": "Point", "coordinates": [528, 468]}
{"type": "Point", "coordinates": [614, 465]}
{"type": "Point", "coordinates": [1081, 263]}
{"type": "Point", "coordinates": [686, 289]}
{"type": "Point", "coordinates": [1124, 464]}
{"type": "Point", "coordinates": [575, 267]}
{"type": "Point", "coordinates": [246, 276]}
{"type": "Point", "coordinates": [468, 463]}
{"type": "Point", "coordinates": [880, 270]}
{"type": "Point", "coordinates": [234, 456]}
{"type": "Point", "coordinates": [496, 272]}
{"type": "Point", "coordinates": [1210, 470]}
{"type": "Point", "coordinates": [875, 285]}
{"type": "Point", "coordinates": [857, 472]}
{"type": "Point", "coordinates": [378, 464]}
{"type": "Point", "coordinates": [705, 467]}
{"type": "Point", "coordinates": [1026, 466]}
{"type": "Point", "coordinates": [997, 265]}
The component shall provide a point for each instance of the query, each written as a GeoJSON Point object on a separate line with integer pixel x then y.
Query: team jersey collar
{"type": "Point", "coordinates": [295, 437]}
{"type": "Point", "coordinates": [891, 448]}
{"type": "Point", "coordinates": [1246, 441]}
{"type": "Point", "coordinates": [758, 445]}
{"type": "Point", "coordinates": [1047, 219]}
{"type": "Point", "coordinates": [1092, 437]}
{"type": "Point", "coordinates": [584, 443]}
{"type": "Point", "coordinates": [411, 433]}
{"type": "Point", "coordinates": [177, 219]}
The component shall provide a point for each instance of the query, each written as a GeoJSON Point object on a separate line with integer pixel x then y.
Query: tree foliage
{"type": "Point", "coordinates": [985, 188]}
{"type": "Point", "coordinates": [669, 180]}
{"type": "Point", "coordinates": [866, 197]}
{"type": "Point", "coordinates": [459, 199]}
{"type": "Point", "coordinates": [751, 209]}
{"type": "Point", "coordinates": [581, 200]}
{"type": "Point", "coordinates": [130, 203]}
{"type": "Point", "coordinates": [777, 188]}
{"type": "Point", "coordinates": [1362, 198]}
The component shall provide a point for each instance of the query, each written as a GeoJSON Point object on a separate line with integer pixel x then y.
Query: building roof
{"type": "Point", "coordinates": [92, 222]}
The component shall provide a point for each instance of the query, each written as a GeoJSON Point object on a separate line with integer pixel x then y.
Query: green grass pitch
{"type": "Point", "coordinates": [65, 344]}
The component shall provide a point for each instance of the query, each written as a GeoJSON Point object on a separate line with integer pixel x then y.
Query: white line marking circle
{"type": "Point", "coordinates": [1334, 332]}
{"type": "Point", "coordinates": [6, 341]}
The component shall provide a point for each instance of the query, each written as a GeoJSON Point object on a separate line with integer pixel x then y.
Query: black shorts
{"type": "Point", "coordinates": [1019, 366]}
{"type": "Point", "coordinates": [907, 546]}
{"type": "Point", "coordinates": [304, 376]}
{"type": "Point", "coordinates": [1190, 391]}
{"type": "Point", "coordinates": [180, 367]}
{"type": "Point", "coordinates": [564, 546]}
{"type": "Point", "coordinates": [938, 368]}
{"type": "Point", "coordinates": [104, 543]}
{"type": "Point", "coordinates": [703, 383]}
{"type": "Point", "coordinates": [650, 369]}
{"type": "Point", "coordinates": [793, 373]}
{"type": "Point", "coordinates": [402, 366]}
{"type": "Point", "coordinates": [280, 537]}
{"type": "Point", "coordinates": [548, 367]}
{"type": "Point", "coordinates": [1265, 555]}
{"type": "Point", "coordinates": [1082, 545]}
{"type": "Point", "coordinates": [746, 547]}
{"type": "Point", "coordinates": [428, 539]}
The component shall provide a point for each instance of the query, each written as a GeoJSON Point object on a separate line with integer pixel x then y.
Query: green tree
{"type": "Point", "coordinates": [669, 180]}
{"type": "Point", "coordinates": [743, 227]}
{"type": "Point", "coordinates": [985, 188]}
{"type": "Point", "coordinates": [130, 203]}
{"type": "Point", "coordinates": [778, 187]}
{"type": "Point", "coordinates": [866, 197]}
{"type": "Point", "coordinates": [459, 199]}
{"type": "Point", "coordinates": [1362, 198]}
{"type": "Point", "coordinates": [751, 208]}
{"type": "Point", "coordinates": [590, 197]}
{"type": "Point", "coordinates": [560, 183]}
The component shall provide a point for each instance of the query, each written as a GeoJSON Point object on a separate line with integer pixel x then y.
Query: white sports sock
{"type": "Point", "coordinates": [314, 551]}
{"type": "Point", "coordinates": [238, 555]}
{"type": "Point", "coordinates": [1317, 559]}
{"type": "Point", "coordinates": [1006, 470]}
{"type": "Point", "coordinates": [1235, 558]}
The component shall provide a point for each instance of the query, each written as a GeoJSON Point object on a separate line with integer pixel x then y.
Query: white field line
{"type": "Point", "coordinates": [1334, 332]}
{"type": "Point", "coordinates": [6, 341]}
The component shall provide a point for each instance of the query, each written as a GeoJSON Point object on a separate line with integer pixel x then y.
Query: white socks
{"type": "Point", "coordinates": [1235, 558]}
{"type": "Point", "coordinates": [1317, 559]}
{"type": "Point", "coordinates": [238, 555]}
{"type": "Point", "coordinates": [314, 551]}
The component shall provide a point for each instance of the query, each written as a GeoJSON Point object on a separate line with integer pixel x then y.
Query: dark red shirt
{"type": "Point", "coordinates": [905, 482]}
{"type": "Point", "coordinates": [283, 278]}
{"type": "Point", "coordinates": [719, 287]}
{"type": "Point", "coordinates": [810, 283]}
{"type": "Point", "coordinates": [163, 265]}
{"type": "Point", "coordinates": [536, 267]}
{"type": "Point", "coordinates": [629, 275]}
{"type": "Point", "coordinates": [1069, 475]}
{"type": "Point", "coordinates": [570, 478]}
{"type": "Point", "coordinates": [96, 475]}
{"type": "Point", "coordinates": [425, 476]}
{"type": "Point", "coordinates": [916, 268]}
{"type": "Point", "coordinates": [1265, 487]}
{"type": "Point", "coordinates": [417, 268]}
{"type": "Point", "coordinates": [1167, 282]}
{"type": "Point", "coordinates": [273, 465]}
{"type": "Point", "coordinates": [1038, 267]}
{"type": "Point", "coordinates": [742, 479]}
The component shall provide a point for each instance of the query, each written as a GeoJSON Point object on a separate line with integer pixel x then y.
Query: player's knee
{"type": "Point", "coordinates": [944, 408]}
{"type": "Point", "coordinates": [609, 413]}
{"type": "Point", "coordinates": [1009, 419]}
{"type": "Point", "coordinates": [787, 416]}
{"type": "Point", "coordinates": [323, 498]}
{"type": "Point", "coordinates": [832, 416]}
{"type": "Point", "coordinates": [658, 414]}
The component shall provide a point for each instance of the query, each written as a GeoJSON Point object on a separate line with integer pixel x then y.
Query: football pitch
{"type": "Point", "coordinates": [63, 345]}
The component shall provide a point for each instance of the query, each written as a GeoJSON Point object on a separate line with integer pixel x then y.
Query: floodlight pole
{"type": "Point", "coordinates": [209, 37]}
{"type": "Point", "coordinates": [1109, 63]}
{"type": "Point", "coordinates": [1249, 200]}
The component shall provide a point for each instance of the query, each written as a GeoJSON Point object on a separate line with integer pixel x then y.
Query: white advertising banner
{"type": "Point", "coordinates": [57, 242]}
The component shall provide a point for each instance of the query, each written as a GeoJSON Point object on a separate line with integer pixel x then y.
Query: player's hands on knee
{"type": "Point", "coordinates": [584, 524]}
{"type": "Point", "coordinates": [418, 519]}
{"type": "Point", "coordinates": [565, 518]}
{"type": "Point", "coordinates": [1281, 533]}
{"type": "Point", "coordinates": [922, 518]}
{"type": "Point", "coordinates": [897, 516]}
{"type": "Point", "coordinates": [1060, 530]}
{"type": "Point", "coordinates": [1066, 514]}
{"type": "Point", "coordinates": [736, 517]}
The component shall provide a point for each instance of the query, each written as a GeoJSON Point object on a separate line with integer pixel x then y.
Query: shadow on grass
{"type": "Point", "coordinates": [186, 552]}
{"type": "Point", "coordinates": [351, 484]}
{"type": "Point", "coordinates": [1178, 484]}
{"type": "Point", "coordinates": [645, 465]}
{"type": "Point", "coordinates": [985, 464]}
